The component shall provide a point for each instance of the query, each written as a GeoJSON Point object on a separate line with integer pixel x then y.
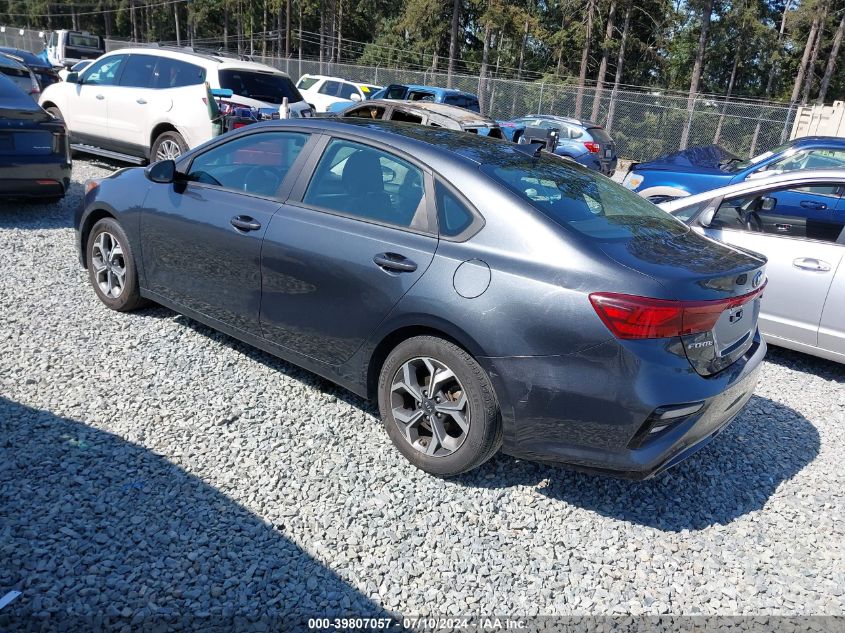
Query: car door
{"type": "Point", "coordinates": [128, 107]}
{"type": "Point", "coordinates": [344, 249]}
{"type": "Point", "coordinates": [800, 268]}
{"type": "Point", "coordinates": [202, 234]}
{"type": "Point", "coordinates": [87, 106]}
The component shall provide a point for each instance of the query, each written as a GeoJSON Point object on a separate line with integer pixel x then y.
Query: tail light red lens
{"type": "Point", "coordinates": [592, 147]}
{"type": "Point", "coordinates": [633, 317]}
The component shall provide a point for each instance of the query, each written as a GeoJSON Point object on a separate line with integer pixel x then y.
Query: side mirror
{"type": "Point", "coordinates": [72, 78]}
{"type": "Point", "coordinates": [355, 96]}
{"type": "Point", "coordinates": [768, 203]}
{"type": "Point", "coordinates": [706, 218]}
{"type": "Point", "coordinates": [163, 172]}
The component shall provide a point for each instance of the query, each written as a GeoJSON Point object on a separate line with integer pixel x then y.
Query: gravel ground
{"type": "Point", "coordinates": [152, 468]}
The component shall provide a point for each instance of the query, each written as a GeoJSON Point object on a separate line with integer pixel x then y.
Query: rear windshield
{"type": "Point", "coordinates": [600, 135]}
{"type": "Point", "coordinates": [261, 86]}
{"type": "Point", "coordinates": [88, 41]}
{"type": "Point", "coordinates": [582, 200]}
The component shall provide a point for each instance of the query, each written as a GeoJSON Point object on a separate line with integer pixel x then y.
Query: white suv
{"type": "Point", "coordinates": [321, 91]}
{"type": "Point", "coordinates": [138, 104]}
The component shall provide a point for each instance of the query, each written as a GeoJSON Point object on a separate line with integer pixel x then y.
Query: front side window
{"type": "Point", "coordinates": [329, 88]}
{"type": "Point", "coordinates": [361, 181]}
{"type": "Point", "coordinates": [405, 117]}
{"type": "Point", "coordinates": [255, 164]}
{"type": "Point", "coordinates": [138, 71]}
{"type": "Point", "coordinates": [801, 212]}
{"type": "Point", "coordinates": [347, 90]}
{"type": "Point", "coordinates": [105, 71]}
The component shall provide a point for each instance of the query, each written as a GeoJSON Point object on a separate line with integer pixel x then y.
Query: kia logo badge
{"type": "Point", "coordinates": [757, 279]}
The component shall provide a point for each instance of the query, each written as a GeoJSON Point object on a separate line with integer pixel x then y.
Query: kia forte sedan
{"type": "Point", "coordinates": [486, 295]}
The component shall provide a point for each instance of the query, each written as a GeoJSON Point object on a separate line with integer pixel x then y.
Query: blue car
{"type": "Point", "coordinates": [414, 92]}
{"type": "Point", "coordinates": [703, 168]}
{"type": "Point", "coordinates": [583, 141]}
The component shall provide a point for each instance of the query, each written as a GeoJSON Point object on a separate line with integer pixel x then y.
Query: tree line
{"type": "Point", "coordinates": [788, 50]}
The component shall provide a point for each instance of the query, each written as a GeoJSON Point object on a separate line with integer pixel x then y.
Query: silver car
{"type": "Point", "coordinates": [796, 220]}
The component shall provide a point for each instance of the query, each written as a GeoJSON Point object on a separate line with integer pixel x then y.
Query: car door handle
{"type": "Point", "coordinates": [813, 204]}
{"type": "Point", "coordinates": [394, 262]}
{"type": "Point", "coordinates": [100, 97]}
{"type": "Point", "coordinates": [811, 263]}
{"type": "Point", "coordinates": [245, 223]}
{"type": "Point", "coordinates": [141, 101]}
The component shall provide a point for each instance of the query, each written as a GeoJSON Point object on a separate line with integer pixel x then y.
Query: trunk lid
{"type": "Point", "coordinates": [713, 280]}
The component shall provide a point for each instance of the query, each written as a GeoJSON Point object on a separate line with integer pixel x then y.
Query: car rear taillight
{"type": "Point", "coordinates": [34, 88]}
{"type": "Point", "coordinates": [633, 317]}
{"type": "Point", "coordinates": [592, 147]}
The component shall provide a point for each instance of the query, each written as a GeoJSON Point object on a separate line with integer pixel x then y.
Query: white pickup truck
{"type": "Point", "coordinates": [65, 48]}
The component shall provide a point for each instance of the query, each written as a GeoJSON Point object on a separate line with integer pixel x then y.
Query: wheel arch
{"type": "Point", "coordinates": [402, 332]}
{"type": "Point", "coordinates": [663, 190]}
{"type": "Point", "coordinates": [158, 130]}
{"type": "Point", "coordinates": [89, 220]}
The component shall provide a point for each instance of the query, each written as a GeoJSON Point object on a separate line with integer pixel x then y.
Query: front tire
{"type": "Point", "coordinates": [438, 406]}
{"type": "Point", "coordinates": [168, 146]}
{"type": "Point", "coordinates": [111, 267]}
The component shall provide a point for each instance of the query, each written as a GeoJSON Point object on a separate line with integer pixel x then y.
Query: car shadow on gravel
{"type": "Point", "coordinates": [100, 533]}
{"type": "Point", "coordinates": [735, 474]}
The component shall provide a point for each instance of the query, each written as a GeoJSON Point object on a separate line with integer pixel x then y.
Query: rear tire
{"type": "Point", "coordinates": [450, 429]}
{"type": "Point", "coordinates": [168, 146]}
{"type": "Point", "coordinates": [111, 267]}
{"type": "Point", "coordinates": [55, 112]}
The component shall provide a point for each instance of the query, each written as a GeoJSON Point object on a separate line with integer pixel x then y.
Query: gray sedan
{"type": "Point", "coordinates": [796, 220]}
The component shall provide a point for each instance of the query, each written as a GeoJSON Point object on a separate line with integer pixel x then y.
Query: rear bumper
{"type": "Point", "coordinates": [589, 410]}
{"type": "Point", "coordinates": [36, 179]}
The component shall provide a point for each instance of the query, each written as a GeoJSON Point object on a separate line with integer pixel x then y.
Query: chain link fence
{"type": "Point", "coordinates": [644, 122]}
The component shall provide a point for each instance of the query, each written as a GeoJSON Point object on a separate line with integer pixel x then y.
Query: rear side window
{"type": "Point", "coordinates": [367, 183]}
{"type": "Point", "coordinates": [255, 164]}
{"type": "Point", "coordinates": [582, 200]}
{"type": "Point", "coordinates": [405, 117]}
{"type": "Point", "coordinates": [421, 96]}
{"type": "Point", "coordinates": [88, 41]}
{"type": "Point", "coordinates": [138, 71]}
{"type": "Point", "coordinates": [174, 73]}
{"type": "Point", "coordinates": [306, 82]}
{"type": "Point", "coordinates": [452, 214]}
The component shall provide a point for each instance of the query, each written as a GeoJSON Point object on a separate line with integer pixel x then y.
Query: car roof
{"type": "Point", "coordinates": [326, 77]}
{"type": "Point", "coordinates": [432, 145]}
{"type": "Point", "coordinates": [11, 62]}
{"type": "Point", "coordinates": [443, 91]}
{"type": "Point", "coordinates": [810, 141]}
{"type": "Point", "coordinates": [462, 115]}
{"type": "Point", "coordinates": [798, 177]}
{"type": "Point", "coordinates": [210, 59]}
{"type": "Point", "coordinates": [30, 59]}
{"type": "Point", "coordinates": [563, 119]}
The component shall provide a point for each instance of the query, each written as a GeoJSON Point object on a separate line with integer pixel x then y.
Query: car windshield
{"type": "Point", "coordinates": [739, 165]}
{"type": "Point", "coordinates": [267, 87]}
{"type": "Point", "coordinates": [582, 200]}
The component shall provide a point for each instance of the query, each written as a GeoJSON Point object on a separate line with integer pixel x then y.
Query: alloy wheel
{"type": "Point", "coordinates": [168, 149]}
{"type": "Point", "coordinates": [109, 265]}
{"type": "Point", "coordinates": [430, 406]}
